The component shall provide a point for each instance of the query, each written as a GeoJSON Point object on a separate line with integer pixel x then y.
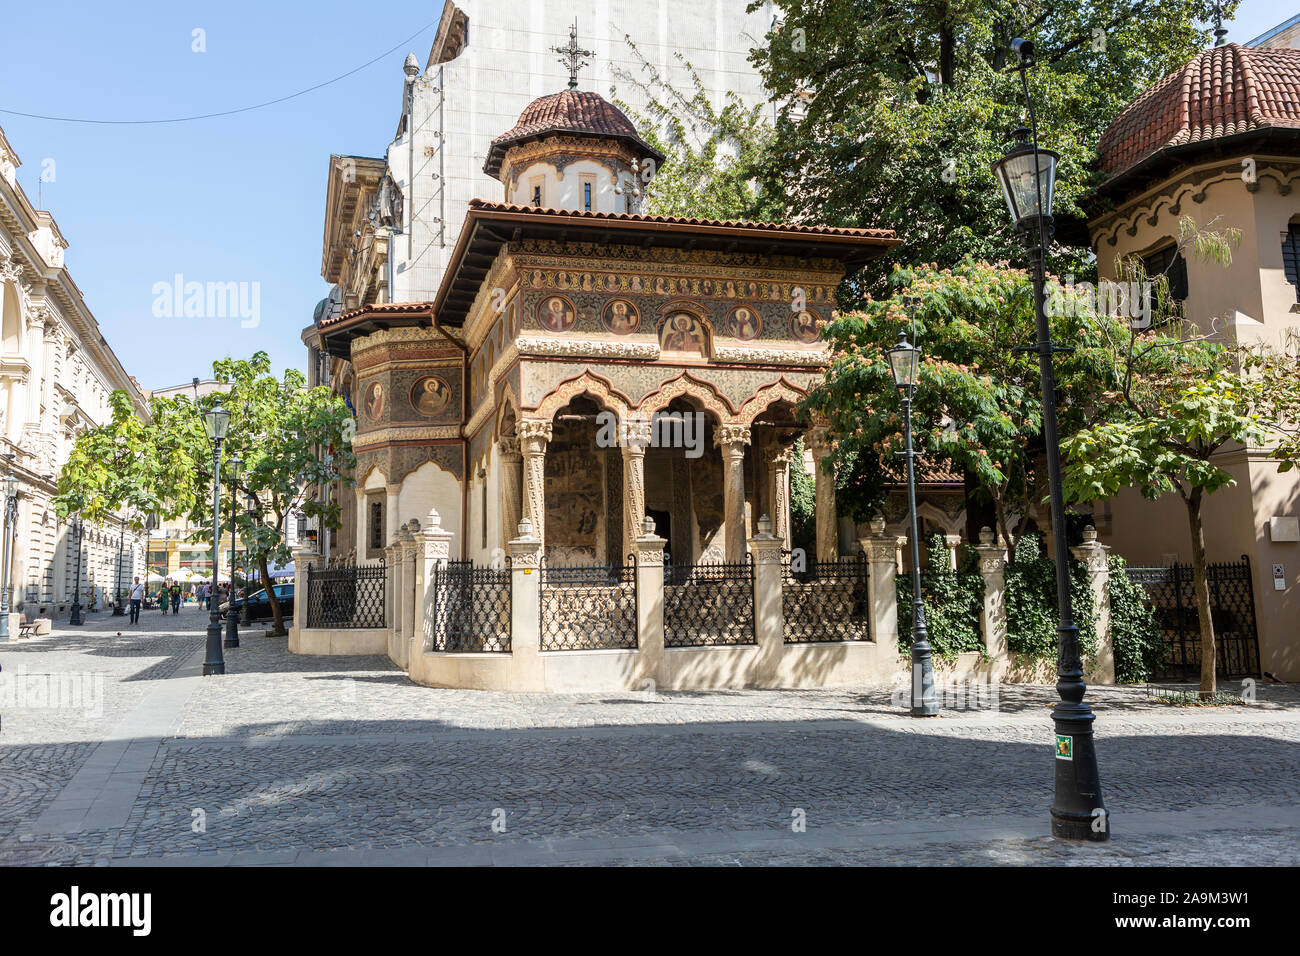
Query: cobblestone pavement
{"type": "Point", "coordinates": [292, 760]}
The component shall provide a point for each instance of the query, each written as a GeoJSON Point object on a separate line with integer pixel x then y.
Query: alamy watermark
{"type": "Point", "coordinates": [1125, 300]}
{"type": "Point", "coordinates": [661, 430]}
{"type": "Point", "coordinates": [75, 690]}
{"type": "Point", "coordinates": [179, 299]}
{"type": "Point", "coordinates": [970, 695]}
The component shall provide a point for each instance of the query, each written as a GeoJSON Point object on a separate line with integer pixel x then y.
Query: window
{"type": "Point", "coordinates": [586, 197]}
{"type": "Point", "coordinates": [1170, 262]}
{"type": "Point", "coordinates": [537, 192]}
{"type": "Point", "coordinates": [377, 525]}
{"type": "Point", "coordinates": [1291, 256]}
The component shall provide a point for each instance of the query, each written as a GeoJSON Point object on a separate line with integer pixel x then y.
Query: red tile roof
{"type": "Point", "coordinates": [568, 111]}
{"type": "Point", "coordinates": [379, 309]}
{"type": "Point", "coordinates": [841, 231]}
{"type": "Point", "coordinates": [1220, 92]}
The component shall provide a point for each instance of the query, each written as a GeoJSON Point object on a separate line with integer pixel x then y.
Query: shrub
{"type": "Point", "coordinates": [1032, 615]}
{"type": "Point", "coordinates": [1137, 640]}
{"type": "Point", "coordinates": [953, 602]}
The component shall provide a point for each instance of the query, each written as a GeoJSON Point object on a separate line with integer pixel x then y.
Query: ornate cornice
{"type": "Point", "coordinates": [742, 355]}
{"type": "Point", "coordinates": [588, 348]}
{"type": "Point", "coordinates": [367, 441]}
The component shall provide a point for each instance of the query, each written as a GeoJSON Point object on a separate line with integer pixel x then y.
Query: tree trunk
{"type": "Point", "coordinates": [278, 629]}
{"type": "Point", "coordinates": [1201, 587]}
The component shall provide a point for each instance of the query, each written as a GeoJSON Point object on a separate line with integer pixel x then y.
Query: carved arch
{"type": "Point", "coordinates": [684, 385]}
{"type": "Point", "coordinates": [587, 383]}
{"type": "Point", "coordinates": [767, 396]}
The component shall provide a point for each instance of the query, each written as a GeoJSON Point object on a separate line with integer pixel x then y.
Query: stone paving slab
{"type": "Point", "coordinates": [342, 761]}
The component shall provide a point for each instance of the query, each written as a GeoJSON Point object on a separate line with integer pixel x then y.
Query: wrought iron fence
{"type": "Point", "coordinates": [347, 597]}
{"type": "Point", "coordinates": [471, 608]}
{"type": "Point", "coordinates": [826, 602]}
{"type": "Point", "coordinates": [588, 607]}
{"type": "Point", "coordinates": [1232, 609]}
{"type": "Point", "coordinates": [709, 605]}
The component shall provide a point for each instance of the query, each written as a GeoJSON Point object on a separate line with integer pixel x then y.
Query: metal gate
{"type": "Point", "coordinates": [1232, 609]}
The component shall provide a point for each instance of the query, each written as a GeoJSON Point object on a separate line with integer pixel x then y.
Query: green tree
{"type": "Point", "coordinates": [711, 156]}
{"type": "Point", "coordinates": [977, 405]}
{"type": "Point", "coordinates": [1180, 401]}
{"type": "Point", "coordinates": [289, 437]}
{"type": "Point", "coordinates": [892, 112]}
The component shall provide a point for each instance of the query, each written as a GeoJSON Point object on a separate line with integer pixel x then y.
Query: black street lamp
{"type": "Point", "coordinates": [121, 539]}
{"type": "Point", "coordinates": [1027, 175]}
{"type": "Point", "coordinates": [905, 361]}
{"type": "Point", "coordinates": [232, 615]}
{"type": "Point", "coordinates": [11, 518]}
{"type": "Point", "coordinates": [215, 422]}
{"type": "Point", "coordinates": [75, 617]}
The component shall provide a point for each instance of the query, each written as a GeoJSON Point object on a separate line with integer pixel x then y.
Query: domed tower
{"type": "Point", "coordinates": [573, 150]}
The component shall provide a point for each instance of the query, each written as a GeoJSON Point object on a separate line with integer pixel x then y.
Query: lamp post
{"type": "Point", "coordinates": [75, 616]}
{"type": "Point", "coordinates": [117, 601]}
{"type": "Point", "coordinates": [11, 518]}
{"type": "Point", "coordinates": [232, 615]}
{"type": "Point", "coordinates": [905, 361]}
{"type": "Point", "coordinates": [1027, 175]}
{"type": "Point", "coordinates": [215, 422]}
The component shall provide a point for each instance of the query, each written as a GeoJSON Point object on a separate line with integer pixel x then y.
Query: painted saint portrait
{"type": "Point", "coordinates": [706, 286]}
{"type": "Point", "coordinates": [611, 283]}
{"type": "Point", "coordinates": [635, 284]}
{"type": "Point", "coordinates": [556, 313]}
{"type": "Point", "coordinates": [729, 290]}
{"type": "Point", "coordinates": [805, 325]}
{"type": "Point", "coordinates": [684, 334]}
{"type": "Point", "coordinates": [684, 286]}
{"type": "Point", "coordinates": [374, 400]}
{"type": "Point", "coordinates": [621, 317]}
{"type": "Point", "coordinates": [743, 322]}
{"type": "Point", "coordinates": [431, 395]}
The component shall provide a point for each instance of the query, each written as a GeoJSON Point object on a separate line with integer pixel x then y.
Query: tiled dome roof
{"type": "Point", "coordinates": [579, 112]}
{"type": "Point", "coordinates": [1221, 92]}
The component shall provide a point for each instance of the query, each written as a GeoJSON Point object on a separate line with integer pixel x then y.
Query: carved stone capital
{"type": "Point", "coordinates": [635, 435]}
{"type": "Point", "coordinates": [510, 450]}
{"type": "Point", "coordinates": [732, 437]}
{"type": "Point", "coordinates": [534, 435]}
{"type": "Point", "coordinates": [781, 457]}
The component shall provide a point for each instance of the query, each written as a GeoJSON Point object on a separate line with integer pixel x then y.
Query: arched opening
{"type": "Point", "coordinates": [684, 483]}
{"type": "Point", "coordinates": [584, 485]}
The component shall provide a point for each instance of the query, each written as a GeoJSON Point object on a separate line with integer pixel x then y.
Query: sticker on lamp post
{"type": "Point", "coordinates": [1064, 747]}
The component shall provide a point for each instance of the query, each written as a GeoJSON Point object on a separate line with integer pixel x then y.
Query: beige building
{"type": "Point", "coordinates": [1219, 140]}
{"type": "Point", "coordinates": [56, 375]}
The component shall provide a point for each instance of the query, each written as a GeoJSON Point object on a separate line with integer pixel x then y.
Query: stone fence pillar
{"type": "Point", "coordinates": [436, 553]}
{"type": "Point", "coordinates": [882, 568]}
{"type": "Point", "coordinates": [1096, 558]}
{"type": "Point", "coordinates": [304, 558]}
{"type": "Point", "coordinates": [393, 595]}
{"type": "Point", "coordinates": [650, 603]}
{"type": "Point", "coordinates": [525, 605]}
{"type": "Point", "coordinates": [412, 580]}
{"type": "Point", "coordinates": [993, 616]}
{"type": "Point", "coordinates": [769, 614]}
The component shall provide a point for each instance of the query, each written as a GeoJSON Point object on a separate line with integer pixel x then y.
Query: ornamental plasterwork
{"type": "Point", "coordinates": [485, 407]}
{"type": "Point", "coordinates": [401, 334]}
{"type": "Point", "coordinates": [589, 348]}
{"type": "Point", "coordinates": [550, 253]}
{"type": "Point", "coordinates": [740, 355]}
{"type": "Point", "coordinates": [380, 436]}
{"type": "Point", "coordinates": [566, 150]}
{"type": "Point", "coordinates": [686, 386]}
{"type": "Point", "coordinates": [769, 395]}
{"type": "Point", "coordinates": [1193, 185]}
{"type": "Point", "coordinates": [586, 383]}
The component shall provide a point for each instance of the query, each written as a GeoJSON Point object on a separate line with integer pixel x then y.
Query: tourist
{"type": "Point", "coordinates": [176, 597]}
{"type": "Point", "coordinates": [137, 597]}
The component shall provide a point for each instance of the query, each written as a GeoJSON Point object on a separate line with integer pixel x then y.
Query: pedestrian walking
{"type": "Point", "coordinates": [176, 597]}
{"type": "Point", "coordinates": [137, 598]}
{"type": "Point", "coordinates": [164, 595]}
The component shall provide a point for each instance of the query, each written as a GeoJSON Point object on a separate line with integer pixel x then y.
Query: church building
{"type": "Point", "coordinates": [585, 366]}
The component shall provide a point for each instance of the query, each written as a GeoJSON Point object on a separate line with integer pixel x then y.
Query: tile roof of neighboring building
{"type": "Point", "coordinates": [1220, 92]}
{"type": "Point", "coordinates": [578, 112]}
{"type": "Point", "coordinates": [386, 308]}
{"type": "Point", "coordinates": [839, 231]}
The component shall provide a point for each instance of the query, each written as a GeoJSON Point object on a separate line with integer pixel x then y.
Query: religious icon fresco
{"type": "Point", "coordinates": [556, 313]}
{"type": "Point", "coordinates": [431, 395]}
{"type": "Point", "coordinates": [744, 322]}
{"type": "Point", "coordinates": [805, 326]}
{"type": "Point", "coordinates": [374, 400]}
{"type": "Point", "coordinates": [621, 317]}
{"type": "Point", "coordinates": [684, 334]}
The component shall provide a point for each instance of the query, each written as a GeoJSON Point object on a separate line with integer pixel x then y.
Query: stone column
{"type": "Point", "coordinates": [882, 568]}
{"type": "Point", "coordinates": [732, 439]}
{"type": "Point", "coordinates": [534, 435]}
{"type": "Point", "coordinates": [649, 607]}
{"type": "Point", "coordinates": [953, 542]}
{"type": "Point", "coordinates": [779, 479]}
{"type": "Point", "coordinates": [512, 464]}
{"type": "Point", "coordinates": [411, 587]}
{"type": "Point", "coordinates": [827, 527]}
{"type": "Point", "coordinates": [525, 597]}
{"type": "Point", "coordinates": [1096, 558]}
{"type": "Point", "coordinates": [635, 439]}
{"type": "Point", "coordinates": [993, 616]}
{"type": "Point", "coordinates": [436, 552]}
{"type": "Point", "coordinates": [391, 518]}
{"type": "Point", "coordinates": [769, 614]}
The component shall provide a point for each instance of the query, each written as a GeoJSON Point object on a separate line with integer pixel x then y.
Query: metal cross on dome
{"type": "Point", "coordinates": [572, 55]}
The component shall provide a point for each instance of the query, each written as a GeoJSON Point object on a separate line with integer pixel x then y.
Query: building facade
{"type": "Point", "coordinates": [1218, 140]}
{"type": "Point", "coordinates": [56, 375]}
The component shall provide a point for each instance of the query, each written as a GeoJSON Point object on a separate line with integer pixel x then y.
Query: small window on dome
{"type": "Point", "coordinates": [586, 196]}
{"type": "Point", "coordinates": [537, 192]}
{"type": "Point", "coordinates": [587, 187]}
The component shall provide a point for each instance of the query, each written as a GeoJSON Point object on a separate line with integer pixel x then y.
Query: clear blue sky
{"type": "Point", "coordinates": [231, 199]}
